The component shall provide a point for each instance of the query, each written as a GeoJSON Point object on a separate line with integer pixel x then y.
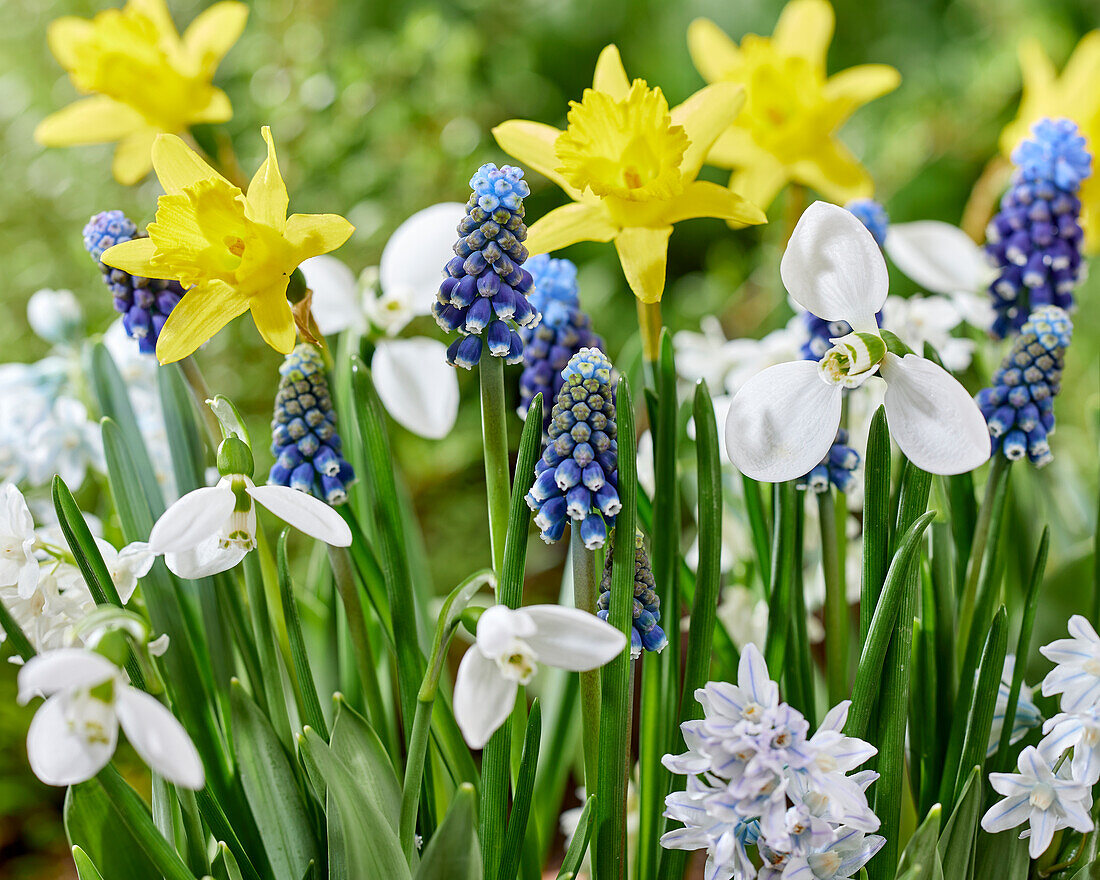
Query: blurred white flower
{"type": "Point", "coordinates": [416, 384]}
{"type": "Point", "coordinates": [18, 565]}
{"type": "Point", "coordinates": [921, 319]}
{"type": "Point", "coordinates": [55, 316]}
{"type": "Point", "coordinates": [337, 300]}
{"type": "Point", "coordinates": [66, 442]}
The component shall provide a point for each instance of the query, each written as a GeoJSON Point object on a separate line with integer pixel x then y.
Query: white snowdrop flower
{"type": "Point", "coordinates": [74, 732]}
{"type": "Point", "coordinates": [1037, 796]}
{"type": "Point", "coordinates": [706, 354]}
{"type": "Point", "coordinates": [931, 319]}
{"type": "Point", "coordinates": [55, 315]}
{"type": "Point", "coordinates": [18, 565]}
{"type": "Point", "coordinates": [1077, 675]}
{"type": "Point", "coordinates": [49, 615]}
{"type": "Point", "coordinates": [744, 614]}
{"type": "Point", "coordinates": [510, 645]}
{"type": "Point", "coordinates": [783, 421]}
{"type": "Point", "coordinates": [752, 356]}
{"type": "Point", "coordinates": [416, 384]}
{"type": "Point", "coordinates": [210, 530]}
{"type": "Point", "coordinates": [65, 443]}
{"type": "Point", "coordinates": [338, 302]}
{"type": "Point", "coordinates": [647, 477]}
{"type": "Point", "coordinates": [126, 565]}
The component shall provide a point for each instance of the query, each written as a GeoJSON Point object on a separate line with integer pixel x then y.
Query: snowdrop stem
{"type": "Point", "coordinates": [200, 391]}
{"type": "Point", "coordinates": [996, 487]}
{"type": "Point", "coordinates": [649, 326]}
{"type": "Point", "coordinates": [836, 604]}
{"type": "Point", "coordinates": [584, 597]}
{"type": "Point", "coordinates": [494, 432]}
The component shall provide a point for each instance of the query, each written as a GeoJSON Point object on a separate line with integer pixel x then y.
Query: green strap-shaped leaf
{"type": "Point", "coordinates": [309, 705]}
{"type": "Point", "coordinates": [920, 852]}
{"type": "Point", "coordinates": [956, 844]}
{"type": "Point", "coordinates": [92, 824]}
{"type": "Point", "coordinates": [985, 699]}
{"type": "Point", "coordinates": [578, 844]}
{"type": "Point", "coordinates": [521, 801]}
{"type": "Point", "coordinates": [876, 519]}
{"type": "Point", "coordinates": [453, 852]}
{"type": "Point", "coordinates": [225, 865]}
{"type": "Point", "coordinates": [356, 744]}
{"type": "Point", "coordinates": [85, 870]}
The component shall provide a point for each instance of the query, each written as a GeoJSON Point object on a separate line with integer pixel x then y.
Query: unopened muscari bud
{"type": "Point", "coordinates": [1035, 238]}
{"type": "Point", "coordinates": [837, 469]}
{"type": "Point", "coordinates": [1019, 407]}
{"type": "Point", "coordinates": [304, 439]}
{"type": "Point", "coordinates": [144, 303]}
{"type": "Point", "coordinates": [485, 291]}
{"type": "Point", "coordinates": [563, 331]}
{"type": "Point", "coordinates": [577, 476]}
{"type": "Point", "coordinates": [645, 634]}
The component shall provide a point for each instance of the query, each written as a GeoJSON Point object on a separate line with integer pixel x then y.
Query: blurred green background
{"type": "Point", "coordinates": [382, 109]}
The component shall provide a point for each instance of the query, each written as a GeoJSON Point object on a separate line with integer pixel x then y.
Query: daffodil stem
{"type": "Point", "coordinates": [584, 597]}
{"type": "Point", "coordinates": [649, 325]}
{"type": "Point", "coordinates": [836, 605]}
{"type": "Point", "coordinates": [796, 203]}
{"type": "Point", "coordinates": [200, 391]}
{"type": "Point", "coordinates": [494, 432]}
{"type": "Point", "coordinates": [995, 494]}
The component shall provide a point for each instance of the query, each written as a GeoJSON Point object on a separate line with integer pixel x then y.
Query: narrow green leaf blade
{"type": "Point", "coordinates": [453, 852]}
{"type": "Point", "coordinates": [521, 800]}
{"type": "Point", "coordinates": [85, 870]}
{"type": "Point", "coordinates": [578, 844]}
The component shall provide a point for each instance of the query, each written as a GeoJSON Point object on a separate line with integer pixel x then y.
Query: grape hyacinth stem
{"type": "Point", "coordinates": [494, 432]}
{"type": "Point", "coordinates": [584, 597]}
{"type": "Point", "coordinates": [836, 603]}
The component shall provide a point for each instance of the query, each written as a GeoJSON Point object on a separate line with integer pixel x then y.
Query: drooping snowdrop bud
{"type": "Point", "coordinates": [783, 421]}
{"type": "Point", "coordinates": [509, 648]}
{"type": "Point", "coordinates": [646, 634]}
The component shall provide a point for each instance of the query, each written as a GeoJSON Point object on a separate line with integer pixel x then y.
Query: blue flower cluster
{"type": "Point", "coordinates": [646, 634]}
{"type": "Point", "coordinates": [837, 469]}
{"type": "Point", "coordinates": [577, 476]}
{"type": "Point", "coordinates": [1019, 407]}
{"type": "Point", "coordinates": [486, 284]}
{"type": "Point", "coordinates": [1035, 238]}
{"type": "Point", "coordinates": [563, 331]}
{"type": "Point", "coordinates": [819, 332]}
{"type": "Point", "coordinates": [304, 439]}
{"type": "Point", "coordinates": [144, 303]}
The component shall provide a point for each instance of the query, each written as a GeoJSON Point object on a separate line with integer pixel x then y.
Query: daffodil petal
{"type": "Point", "coordinates": [213, 33]}
{"type": "Point", "coordinates": [267, 198]}
{"type": "Point", "coordinates": [932, 418]}
{"type": "Point", "coordinates": [532, 143]}
{"type": "Point", "coordinates": [157, 12]}
{"type": "Point", "coordinates": [782, 422]}
{"type": "Point", "coordinates": [833, 268]}
{"type": "Point", "coordinates": [580, 221]}
{"type": "Point", "coordinates": [65, 35]}
{"type": "Point", "coordinates": [704, 116]}
{"type": "Point", "coordinates": [134, 157]}
{"type": "Point", "coordinates": [759, 182]}
{"type": "Point", "coordinates": [610, 75]}
{"type": "Point", "coordinates": [274, 319]}
{"type": "Point", "coordinates": [939, 257]}
{"type": "Point", "coordinates": [217, 109]}
{"type": "Point", "coordinates": [860, 84]}
{"type": "Point", "coordinates": [713, 53]}
{"type": "Point", "coordinates": [94, 120]}
{"type": "Point", "coordinates": [133, 256]}
{"type": "Point", "coordinates": [805, 29]}
{"type": "Point", "coordinates": [705, 199]}
{"type": "Point", "coordinates": [313, 234]}
{"type": "Point", "coordinates": [1082, 70]}
{"type": "Point", "coordinates": [1039, 76]}
{"type": "Point", "coordinates": [643, 253]}
{"type": "Point", "coordinates": [177, 165]}
{"type": "Point", "coordinates": [197, 317]}
{"type": "Point", "coordinates": [835, 173]}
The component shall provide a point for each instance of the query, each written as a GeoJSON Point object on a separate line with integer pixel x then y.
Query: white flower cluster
{"type": "Point", "coordinates": [1053, 788]}
{"type": "Point", "coordinates": [757, 781]}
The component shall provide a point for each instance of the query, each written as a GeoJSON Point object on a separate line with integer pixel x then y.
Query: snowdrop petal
{"type": "Point", "coordinates": [63, 669]}
{"type": "Point", "coordinates": [782, 422]}
{"type": "Point", "coordinates": [336, 304]}
{"type": "Point", "coordinates": [416, 385]}
{"type": "Point", "coordinates": [159, 738]}
{"type": "Point", "coordinates": [483, 698]}
{"type": "Point", "coordinates": [206, 559]}
{"type": "Point", "coordinates": [572, 639]}
{"type": "Point", "coordinates": [498, 626]}
{"type": "Point", "coordinates": [304, 512]}
{"type": "Point", "coordinates": [938, 256]}
{"type": "Point", "coordinates": [192, 519]}
{"type": "Point", "coordinates": [409, 269]}
{"type": "Point", "coordinates": [833, 268]}
{"type": "Point", "coordinates": [932, 417]}
{"type": "Point", "coordinates": [57, 754]}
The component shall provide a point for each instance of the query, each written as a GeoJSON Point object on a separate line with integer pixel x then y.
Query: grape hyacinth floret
{"type": "Point", "coordinates": [762, 792]}
{"type": "Point", "coordinates": [577, 476]}
{"type": "Point", "coordinates": [144, 303]}
{"type": "Point", "coordinates": [1019, 407]}
{"type": "Point", "coordinates": [838, 468]}
{"type": "Point", "coordinates": [1035, 238]}
{"type": "Point", "coordinates": [304, 439]}
{"type": "Point", "coordinates": [872, 215]}
{"type": "Point", "coordinates": [486, 287]}
{"type": "Point", "coordinates": [563, 331]}
{"type": "Point", "coordinates": [645, 634]}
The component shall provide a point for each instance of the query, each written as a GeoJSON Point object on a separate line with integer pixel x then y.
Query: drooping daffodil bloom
{"type": "Point", "coordinates": [782, 422]}
{"type": "Point", "coordinates": [630, 165]}
{"type": "Point", "coordinates": [210, 530]}
{"type": "Point", "coordinates": [510, 645]}
{"type": "Point", "coordinates": [233, 252]}
{"type": "Point", "coordinates": [1072, 95]}
{"type": "Point", "coordinates": [142, 78]}
{"type": "Point", "coordinates": [75, 731]}
{"type": "Point", "coordinates": [787, 130]}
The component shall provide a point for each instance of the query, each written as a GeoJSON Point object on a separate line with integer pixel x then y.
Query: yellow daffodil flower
{"type": "Point", "coordinates": [629, 164]}
{"type": "Point", "coordinates": [1073, 95]}
{"type": "Point", "coordinates": [787, 131]}
{"type": "Point", "coordinates": [142, 77]}
{"type": "Point", "coordinates": [234, 252]}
